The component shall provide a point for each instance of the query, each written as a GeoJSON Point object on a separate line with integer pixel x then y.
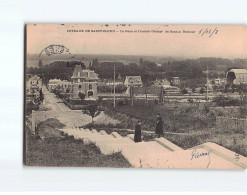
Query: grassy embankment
{"type": "Point", "coordinates": [186, 125]}
{"type": "Point", "coordinates": [50, 148]}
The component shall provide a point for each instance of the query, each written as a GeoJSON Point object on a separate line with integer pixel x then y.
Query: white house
{"type": "Point", "coordinates": [236, 76]}
{"type": "Point", "coordinates": [135, 81]}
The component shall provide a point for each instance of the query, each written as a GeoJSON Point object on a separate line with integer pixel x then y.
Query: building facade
{"type": "Point", "coordinates": [84, 81]}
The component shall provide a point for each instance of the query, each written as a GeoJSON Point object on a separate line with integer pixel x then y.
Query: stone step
{"type": "Point", "coordinates": [114, 145]}
{"type": "Point", "coordinates": [184, 159]}
{"type": "Point", "coordinates": [131, 136]}
{"type": "Point", "coordinates": [167, 144]}
{"type": "Point", "coordinates": [116, 135]}
{"type": "Point", "coordinates": [140, 151]}
{"type": "Point", "coordinates": [97, 137]}
{"type": "Point", "coordinates": [224, 153]}
{"type": "Point", "coordinates": [103, 132]}
{"type": "Point", "coordinates": [94, 131]}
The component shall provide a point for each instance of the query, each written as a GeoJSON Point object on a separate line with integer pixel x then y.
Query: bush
{"type": "Point", "coordinates": [223, 101]}
{"type": "Point", "coordinates": [120, 103]}
{"type": "Point", "coordinates": [202, 90]}
{"type": "Point", "coordinates": [31, 106]}
{"type": "Point", "coordinates": [184, 91]}
{"type": "Point", "coordinates": [242, 112]}
{"type": "Point", "coordinates": [120, 88]}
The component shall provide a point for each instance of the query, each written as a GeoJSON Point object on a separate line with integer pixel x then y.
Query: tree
{"type": "Point", "coordinates": [41, 95]}
{"type": "Point", "coordinates": [95, 63]}
{"type": "Point", "coordinates": [242, 89]}
{"type": "Point", "coordinates": [82, 65]}
{"type": "Point", "coordinates": [31, 106]}
{"type": "Point", "coordinates": [81, 96]}
{"type": "Point", "coordinates": [40, 64]}
{"type": "Point", "coordinates": [202, 90]}
{"type": "Point", "coordinates": [90, 66]}
{"type": "Point", "coordinates": [184, 91]}
{"type": "Point", "coordinates": [91, 110]}
{"type": "Point", "coordinates": [141, 62]}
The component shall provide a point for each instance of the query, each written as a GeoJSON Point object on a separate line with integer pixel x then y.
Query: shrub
{"type": "Point", "coordinates": [184, 91]}
{"type": "Point", "coordinates": [202, 90]}
{"type": "Point", "coordinates": [82, 96]}
{"type": "Point", "coordinates": [223, 101]}
{"type": "Point", "coordinates": [242, 112]}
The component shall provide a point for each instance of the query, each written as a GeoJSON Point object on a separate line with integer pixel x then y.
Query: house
{"type": "Point", "coordinates": [53, 83]}
{"type": "Point", "coordinates": [134, 81]}
{"type": "Point", "coordinates": [164, 83]}
{"type": "Point", "coordinates": [34, 84]}
{"type": "Point", "coordinates": [84, 81]}
{"type": "Point", "coordinates": [175, 81]}
{"type": "Point", "coordinates": [236, 76]}
{"type": "Point", "coordinates": [33, 87]}
{"type": "Point", "coordinates": [219, 81]}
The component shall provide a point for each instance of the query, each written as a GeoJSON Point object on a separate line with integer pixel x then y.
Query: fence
{"type": "Point", "coordinates": [73, 107]}
{"type": "Point", "coordinates": [232, 124]}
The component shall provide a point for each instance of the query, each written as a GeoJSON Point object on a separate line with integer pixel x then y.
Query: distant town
{"type": "Point", "coordinates": [109, 79]}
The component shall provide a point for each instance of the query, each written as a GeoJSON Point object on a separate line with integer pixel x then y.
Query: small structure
{"type": "Point", "coordinates": [175, 81]}
{"type": "Point", "coordinates": [134, 81]}
{"type": "Point", "coordinates": [219, 81]}
{"type": "Point", "coordinates": [236, 76]}
{"type": "Point", "coordinates": [84, 81]}
{"type": "Point", "coordinates": [53, 83]}
{"type": "Point", "coordinates": [164, 83]}
{"type": "Point", "coordinates": [171, 90]}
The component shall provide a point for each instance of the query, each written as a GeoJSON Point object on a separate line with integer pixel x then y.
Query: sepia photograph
{"type": "Point", "coordinates": [135, 96]}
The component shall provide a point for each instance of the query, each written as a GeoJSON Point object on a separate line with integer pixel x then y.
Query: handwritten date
{"type": "Point", "coordinates": [208, 32]}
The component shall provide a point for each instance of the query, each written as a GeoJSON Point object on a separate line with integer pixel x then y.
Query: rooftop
{"type": "Point", "coordinates": [83, 73]}
{"type": "Point", "coordinates": [238, 71]}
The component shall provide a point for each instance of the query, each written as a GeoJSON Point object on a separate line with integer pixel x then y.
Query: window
{"type": "Point", "coordinates": [90, 86]}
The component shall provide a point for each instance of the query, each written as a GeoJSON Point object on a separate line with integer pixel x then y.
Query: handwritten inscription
{"type": "Point", "coordinates": [208, 32]}
{"type": "Point", "coordinates": [195, 155]}
{"type": "Point", "coordinates": [236, 157]}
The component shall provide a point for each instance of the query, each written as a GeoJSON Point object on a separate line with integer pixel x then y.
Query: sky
{"type": "Point", "coordinates": [156, 40]}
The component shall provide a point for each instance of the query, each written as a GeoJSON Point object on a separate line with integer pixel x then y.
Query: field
{"type": "Point", "coordinates": [56, 150]}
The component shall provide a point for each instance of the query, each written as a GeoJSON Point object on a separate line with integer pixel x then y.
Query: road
{"type": "Point", "coordinates": [57, 109]}
{"type": "Point", "coordinates": [71, 118]}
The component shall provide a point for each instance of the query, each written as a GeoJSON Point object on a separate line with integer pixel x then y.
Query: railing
{"type": "Point", "coordinates": [232, 124]}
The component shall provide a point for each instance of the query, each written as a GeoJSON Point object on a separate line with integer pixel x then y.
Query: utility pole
{"type": "Point", "coordinates": [114, 103]}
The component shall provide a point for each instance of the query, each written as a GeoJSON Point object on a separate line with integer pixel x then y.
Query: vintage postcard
{"type": "Point", "coordinates": [136, 96]}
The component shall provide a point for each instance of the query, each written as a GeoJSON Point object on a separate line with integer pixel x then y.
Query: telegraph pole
{"type": "Point", "coordinates": [114, 103]}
